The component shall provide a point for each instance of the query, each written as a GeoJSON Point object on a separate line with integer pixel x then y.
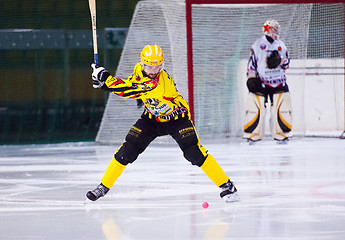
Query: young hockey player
{"type": "Point", "coordinates": [165, 113]}
{"type": "Point", "coordinates": [266, 79]}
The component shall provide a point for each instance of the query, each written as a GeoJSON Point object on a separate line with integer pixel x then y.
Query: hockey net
{"type": "Point", "coordinates": [214, 77]}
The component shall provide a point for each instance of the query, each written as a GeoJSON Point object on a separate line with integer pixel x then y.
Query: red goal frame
{"type": "Point", "coordinates": [189, 32]}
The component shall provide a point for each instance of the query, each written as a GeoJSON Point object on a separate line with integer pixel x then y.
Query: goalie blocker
{"type": "Point", "coordinates": [281, 113]}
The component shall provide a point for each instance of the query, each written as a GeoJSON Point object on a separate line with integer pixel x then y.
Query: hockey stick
{"type": "Point", "coordinates": [92, 6]}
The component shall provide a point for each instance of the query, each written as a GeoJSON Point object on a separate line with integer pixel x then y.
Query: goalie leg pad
{"type": "Point", "coordinates": [254, 117]}
{"type": "Point", "coordinates": [282, 116]}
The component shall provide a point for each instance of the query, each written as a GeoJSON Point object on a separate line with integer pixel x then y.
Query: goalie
{"type": "Point", "coordinates": [267, 81]}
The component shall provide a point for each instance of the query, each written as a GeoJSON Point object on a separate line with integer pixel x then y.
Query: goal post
{"type": "Point", "coordinates": [337, 70]}
{"type": "Point", "coordinates": [207, 45]}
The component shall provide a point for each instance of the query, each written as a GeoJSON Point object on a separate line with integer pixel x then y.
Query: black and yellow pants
{"type": "Point", "coordinates": [145, 130]}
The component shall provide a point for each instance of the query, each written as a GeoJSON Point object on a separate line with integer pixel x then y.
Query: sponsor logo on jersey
{"type": "Point", "coordinates": [158, 110]}
{"type": "Point", "coordinates": [276, 81]}
{"type": "Point", "coordinates": [172, 115]}
{"type": "Point", "coordinates": [153, 101]}
{"type": "Point", "coordinates": [149, 85]}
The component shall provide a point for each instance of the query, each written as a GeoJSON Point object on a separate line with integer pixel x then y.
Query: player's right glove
{"type": "Point", "coordinates": [273, 60]}
{"type": "Point", "coordinates": [99, 75]}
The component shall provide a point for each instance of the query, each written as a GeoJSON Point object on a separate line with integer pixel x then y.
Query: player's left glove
{"type": "Point", "coordinates": [140, 103]}
{"type": "Point", "coordinates": [99, 75]}
{"type": "Point", "coordinates": [273, 60]}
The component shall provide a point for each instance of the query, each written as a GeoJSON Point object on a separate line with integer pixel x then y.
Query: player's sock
{"type": "Point", "coordinates": [229, 192]}
{"type": "Point", "coordinates": [98, 192]}
{"type": "Point", "coordinates": [113, 172]}
{"type": "Point", "coordinates": [212, 169]}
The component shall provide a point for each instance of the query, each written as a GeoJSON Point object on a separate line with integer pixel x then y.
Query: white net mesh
{"type": "Point", "coordinates": [222, 37]}
{"type": "Point", "coordinates": [154, 22]}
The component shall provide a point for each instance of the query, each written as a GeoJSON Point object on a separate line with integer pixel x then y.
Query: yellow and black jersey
{"type": "Point", "coordinates": [160, 96]}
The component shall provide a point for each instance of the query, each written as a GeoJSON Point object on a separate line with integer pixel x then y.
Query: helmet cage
{"type": "Point", "coordinates": [271, 28]}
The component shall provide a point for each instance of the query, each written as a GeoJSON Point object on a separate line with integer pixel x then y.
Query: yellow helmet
{"type": "Point", "coordinates": [152, 55]}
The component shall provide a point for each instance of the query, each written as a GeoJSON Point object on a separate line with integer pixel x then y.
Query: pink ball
{"type": "Point", "coordinates": [205, 205]}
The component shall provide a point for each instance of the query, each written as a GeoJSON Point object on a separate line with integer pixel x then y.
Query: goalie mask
{"type": "Point", "coordinates": [271, 28]}
{"type": "Point", "coordinates": [152, 59]}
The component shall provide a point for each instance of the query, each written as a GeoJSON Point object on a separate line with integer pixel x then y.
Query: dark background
{"type": "Point", "coordinates": [46, 92]}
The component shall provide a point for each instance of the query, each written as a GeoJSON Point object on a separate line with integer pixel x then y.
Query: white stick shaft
{"type": "Point", "coordinates": [92, 6]}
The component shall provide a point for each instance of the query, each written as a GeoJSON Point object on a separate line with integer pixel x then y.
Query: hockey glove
{"type": "Point", "coordinates": [99, 75]}
{"type": "Point", "coordinates": [254, 86]}
{"type": "Point", "coordinates": [140, 103]}
{"type": "Point", "coordinates": [273, 60]}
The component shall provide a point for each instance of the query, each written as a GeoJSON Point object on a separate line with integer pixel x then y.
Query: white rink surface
{"type": "Point", "coordinates": [294, 191]}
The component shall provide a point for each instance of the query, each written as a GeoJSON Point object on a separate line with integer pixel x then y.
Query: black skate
{"type": "Point", "coordinates": [229, 192]}
{"type": "Point", "coordinates": [98, 192]}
